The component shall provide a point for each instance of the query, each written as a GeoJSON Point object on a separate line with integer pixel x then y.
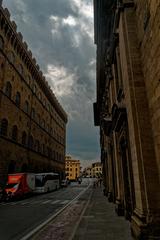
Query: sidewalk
{"type": "Point", "coordinates": [100, 222]}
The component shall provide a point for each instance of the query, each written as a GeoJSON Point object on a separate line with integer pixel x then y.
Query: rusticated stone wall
{"type": "Point", "coordinates": [31, 106]}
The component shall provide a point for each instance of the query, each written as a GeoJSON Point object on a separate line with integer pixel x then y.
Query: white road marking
{"type": "Point", "coordinates": [47, 201]}
{"type": "Point", "coordinates": [36, 229]}
{"type": "Point", "coordinates": [65, 201]}
{"type": "Point", "coordinates": [24, 203]}
{"type": "Point", "coordinates": [56, 201]}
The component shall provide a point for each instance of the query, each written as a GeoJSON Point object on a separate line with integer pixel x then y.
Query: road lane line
{"type": "Point", "coordinates": [38, 228]}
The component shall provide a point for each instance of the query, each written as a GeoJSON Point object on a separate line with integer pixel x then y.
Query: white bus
{"type": "Point", "coordinates": [46, 182]}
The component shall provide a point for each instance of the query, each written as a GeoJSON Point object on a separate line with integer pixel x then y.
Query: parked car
{"type": "Point", "coordinates": [64, 183]}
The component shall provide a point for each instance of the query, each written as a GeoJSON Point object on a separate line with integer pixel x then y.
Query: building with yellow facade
{"type": "Point", "coordinates": [95, 170]}
{"type": "Point", "coordinates": [32, 122]}
{"type": "Point", "coordinates": [72, 168]}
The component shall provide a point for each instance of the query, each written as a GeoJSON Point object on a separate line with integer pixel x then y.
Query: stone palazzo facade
{"type": "Point", "coordinates": [32, 122]}
{"type": "Point", "coordinates": [127, 109]}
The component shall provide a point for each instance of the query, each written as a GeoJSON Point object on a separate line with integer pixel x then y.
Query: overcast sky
{"type": "Point", "coordinates": [60, 35]}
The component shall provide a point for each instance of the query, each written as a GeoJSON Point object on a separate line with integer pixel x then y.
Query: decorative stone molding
{"type": "Point", "coordinates": [30, 53]}
{"type": "Point", "coordinates": [7, 13]}
{"type": "Point", "coordinates": [14, 25]}
{"type": "Point", "coordinates": [34, 60]}
{"type": "Point", "coordinates": [25, 45]}
{"type": "Point", "coordinates": [20, 36]}
{"type": "Point", "coordinates": [37, 66]}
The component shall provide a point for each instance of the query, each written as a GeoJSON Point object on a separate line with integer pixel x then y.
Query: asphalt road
{"type": "Point", "coordinates": [18, 218]}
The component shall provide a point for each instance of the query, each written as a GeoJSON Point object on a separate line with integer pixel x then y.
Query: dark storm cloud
{"type": "Point", "coordinates": [60, 35]}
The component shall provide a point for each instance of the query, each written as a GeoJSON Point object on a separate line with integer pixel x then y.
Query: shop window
{"type": "Point", "coordinates": [8, 89]}
{"type": "Point", "coordinates": [4, 127]}
{"type": "Point", "coordinates": [18, 99]}
{"type": "Point", "coordinates": [14, 133]}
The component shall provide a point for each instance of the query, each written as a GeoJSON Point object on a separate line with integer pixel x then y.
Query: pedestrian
{"type": "Point", "coordinates": [100, 181]}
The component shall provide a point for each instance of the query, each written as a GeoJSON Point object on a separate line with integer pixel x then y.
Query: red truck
{"type": "Point", "coordinates": [19, 185]}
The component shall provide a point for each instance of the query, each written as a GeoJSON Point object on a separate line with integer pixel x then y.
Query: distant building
{"type": "Point", "coordinates": [72, 168]}
{"type": "Point", "coordinates": [32, 122]}
{"type": "Point", "coordinates": [95, 170]}
{"type": "Point", "coordinates": [87, 172]}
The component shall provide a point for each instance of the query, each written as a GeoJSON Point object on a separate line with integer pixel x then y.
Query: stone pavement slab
{"type": "Point", "coordinates": [100, 222]}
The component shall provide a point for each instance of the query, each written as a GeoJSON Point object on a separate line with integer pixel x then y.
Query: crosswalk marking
{"type": "Point", "coordinates": [64, 202]}
{"type": "Point", "coordinates": [47, 201]}
{"type": "Point", "coordinates": [24, 203]}
{"type": "Point", "coordinates": [13, 203]}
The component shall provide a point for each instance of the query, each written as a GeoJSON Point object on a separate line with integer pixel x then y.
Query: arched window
{"type": "Point", "coordinates": [47, 128]}
{"type": "Point", "coordinates": [11, 57]}
{"type": "Point", "coordinates": [28, 79]}
{"type": "Point", "coordinates": [43, 123]}
{"type": "Point", "coordinates": [8, 89]}
{"type": "Point", "coordinates": [18, 99]}
{"type": "Point", "coordinates": [1, 43]}
{"type": "Point", "coordinates": [14, 133]}
{"type": "Point", "coordinates": [34, 88]}
{"type": "Point", "coordinates": [33, 113]}
{"type": "Point", "coordinates": [20, 69]}
{"type": "Point", "coordinates": [40, 96]}
{"type": "Point", "coordinates": [24, 138]}
{"type": "Point", "coordinates": [37, 146]}
{"type": "Point", "coordinates": [4, 127]}
{"type": "Point", "coordinates": [30, 142]}
{"type": "Point", "coordinates": [26, 106]}
{"type": "Point", "coordinates": [38, 118]}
